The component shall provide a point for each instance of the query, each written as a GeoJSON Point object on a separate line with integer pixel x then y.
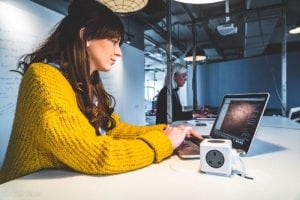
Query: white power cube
{"type": "Point", "coordinates": [216, 156]}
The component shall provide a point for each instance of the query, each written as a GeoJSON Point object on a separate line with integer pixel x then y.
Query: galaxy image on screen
{"type": "Point", "coordinates": [239, 119]}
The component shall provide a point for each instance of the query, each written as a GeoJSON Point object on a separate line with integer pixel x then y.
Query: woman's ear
{"type": "Point", "coordinates": [81, 34]}
{"type": "Point", "coordinates": [87, 43]}
{"type": "Point", "coordinates": [175, 76]}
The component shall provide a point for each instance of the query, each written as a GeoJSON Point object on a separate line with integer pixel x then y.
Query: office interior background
{"type": "Point", "coordinates": [247, 44]}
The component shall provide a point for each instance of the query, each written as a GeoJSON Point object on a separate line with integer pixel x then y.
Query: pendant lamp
{"type": "Point", "coordinates": [200, 55]}
{"type": "Point", "coordinates": [124, 6]}
{"type": "Point", "coordinates": [295, 29]}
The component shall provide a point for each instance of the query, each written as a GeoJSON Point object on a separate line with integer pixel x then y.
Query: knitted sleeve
{"type": "Point", "coordinates": [70, 138]}
{"type": "Point", "coordinates": [79, 148]}
{"type": "Point", "coordinates": [128, 131]}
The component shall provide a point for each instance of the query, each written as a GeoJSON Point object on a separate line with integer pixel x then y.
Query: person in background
{"type": "Point", "coordinates": [65, 119]}
{"type": "Point", "coordinates": [179, 77]}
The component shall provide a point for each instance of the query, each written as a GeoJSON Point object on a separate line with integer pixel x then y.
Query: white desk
{"type": "Point", "coordinates": [281, 122]}
{"type": "Point", "coordinates": [274, 163]}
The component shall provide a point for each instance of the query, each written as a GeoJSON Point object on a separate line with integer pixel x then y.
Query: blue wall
{"type": "Point", "coordinates": [259, 74]}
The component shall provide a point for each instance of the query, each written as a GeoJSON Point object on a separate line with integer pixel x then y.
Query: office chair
{"type": "Point", "coordinates": [294, 114]}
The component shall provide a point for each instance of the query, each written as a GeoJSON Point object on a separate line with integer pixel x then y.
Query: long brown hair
{"type": "Point", "coordinates": [66, 48]}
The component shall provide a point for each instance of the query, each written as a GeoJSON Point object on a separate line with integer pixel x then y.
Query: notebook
{"type": "Point", "coordinates": [238, 119]}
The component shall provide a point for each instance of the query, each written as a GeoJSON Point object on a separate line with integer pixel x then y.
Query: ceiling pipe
{"type": "Point", "coordinates": [155, 59]}
{"type": "Point", "coordinates": [207, 31]}
{"type": "Point", "coordinates": [244, 12]}
{"type": "Point", "coordinates": [153, 41]}
{"type": "Point", "coordinates": [161, 32]}
{"type": "Point", "coordinates": [158, 46]}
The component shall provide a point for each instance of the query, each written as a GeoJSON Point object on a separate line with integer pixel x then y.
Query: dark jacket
{"type": "Point", "coordinates": [161, 107]}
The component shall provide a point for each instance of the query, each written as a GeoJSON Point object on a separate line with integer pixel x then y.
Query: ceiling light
{"type": "Point", "coordinates": [295, 29]}
{"type": "Point", "coordinates": [198, 1]}
{"type": "Point", "coordinates": [124, 6]}
{"type": "Point", "coordinates": [200, 55]}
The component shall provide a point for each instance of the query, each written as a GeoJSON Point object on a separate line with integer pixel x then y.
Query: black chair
{"type": "Point", "coordinates": [294, 114]}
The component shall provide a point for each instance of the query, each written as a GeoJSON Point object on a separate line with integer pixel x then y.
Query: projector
{"type": "Point", "coordinates": [227, 29]}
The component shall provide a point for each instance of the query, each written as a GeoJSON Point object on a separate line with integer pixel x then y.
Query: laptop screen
{"type": "Point", "coordinates": [238, 118]}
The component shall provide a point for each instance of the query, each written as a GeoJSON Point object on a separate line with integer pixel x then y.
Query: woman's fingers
{"type": "Point", "coordinates": [196, 134]}
{"type": "Point", "coordinates": [177, 134]}
{"type": "Point", "coordinates": [189, 131]}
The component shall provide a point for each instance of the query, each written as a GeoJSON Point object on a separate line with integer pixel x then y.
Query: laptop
{"type": "Point", "coordinates": [238, 119]}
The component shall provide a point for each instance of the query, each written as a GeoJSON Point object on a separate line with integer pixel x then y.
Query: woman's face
{"type": "Point", "coordinates": [103, 53]}
{"type": "Point", "coordinates": [180, 79]}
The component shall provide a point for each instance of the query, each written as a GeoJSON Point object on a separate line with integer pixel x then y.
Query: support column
{"type": "Point", "coordinates": [283, 65]}
{"type": "Point", "coordinates": [169, 63]}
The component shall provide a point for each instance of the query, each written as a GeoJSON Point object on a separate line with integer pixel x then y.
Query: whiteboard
{"type": "Point", "coordinates": [23, 25]}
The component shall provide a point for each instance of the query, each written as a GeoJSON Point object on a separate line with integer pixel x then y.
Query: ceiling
{"type": "Point", "coordinates": [259, 28]}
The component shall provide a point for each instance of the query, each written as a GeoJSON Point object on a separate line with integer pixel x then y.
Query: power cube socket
{"type": "Point", "coordinates": [215, 156]}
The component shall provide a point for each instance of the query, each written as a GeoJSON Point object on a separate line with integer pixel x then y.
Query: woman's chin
{"type": "Point", "coordinates": [106, 69]}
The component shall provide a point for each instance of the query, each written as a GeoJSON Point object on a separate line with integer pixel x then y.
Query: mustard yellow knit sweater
{"type": "Point", "coordinates": [49, 131]}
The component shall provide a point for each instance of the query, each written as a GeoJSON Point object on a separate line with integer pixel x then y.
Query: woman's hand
{"type": "Point", "coordinates": [179, 133]}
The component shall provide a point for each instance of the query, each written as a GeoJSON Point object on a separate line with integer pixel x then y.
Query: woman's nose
{"type": "Point", "coordinates": [118, 51]}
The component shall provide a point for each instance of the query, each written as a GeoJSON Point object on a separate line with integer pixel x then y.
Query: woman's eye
{"type": "Point", "coordinates": [115, 42]}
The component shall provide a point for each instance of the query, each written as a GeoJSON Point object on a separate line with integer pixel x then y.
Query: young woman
{"type": "Point", "coordinates": [64, 117]}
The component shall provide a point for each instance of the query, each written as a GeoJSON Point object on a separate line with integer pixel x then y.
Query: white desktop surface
{"type": "Point", "coordinates": [281, 122]}
{"type": "Point", "coordinates": [274, 163]}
